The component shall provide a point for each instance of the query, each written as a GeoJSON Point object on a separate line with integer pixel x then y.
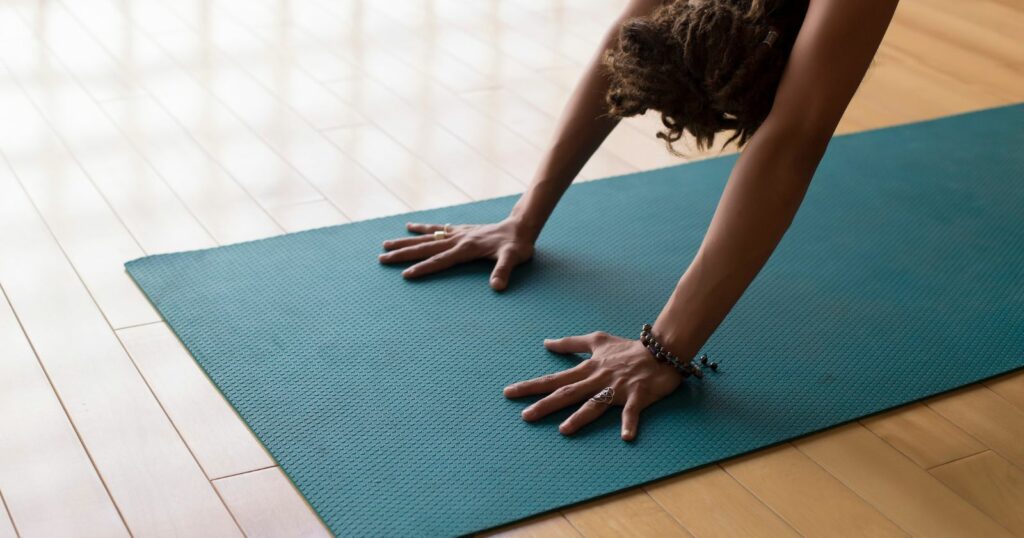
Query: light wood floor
{"type": "Point", "coordinates": [131, 127]}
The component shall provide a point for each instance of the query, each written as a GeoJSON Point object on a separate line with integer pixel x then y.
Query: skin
{"type": "Point", "coordinates": [832, 51]}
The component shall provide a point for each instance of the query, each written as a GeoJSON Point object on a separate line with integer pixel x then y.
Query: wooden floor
{"type": "Point", "coordinates": [131, 127]}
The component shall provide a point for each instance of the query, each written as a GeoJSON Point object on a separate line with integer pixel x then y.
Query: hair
{"type": "Point", "coordinates": [707, 65]}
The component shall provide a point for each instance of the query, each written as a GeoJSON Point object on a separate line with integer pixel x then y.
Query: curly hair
{"type": "Point", "coordinates": [706, 65]}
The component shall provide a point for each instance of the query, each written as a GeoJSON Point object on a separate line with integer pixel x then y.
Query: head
{"type": "Point", "coordinates": [707, 66]}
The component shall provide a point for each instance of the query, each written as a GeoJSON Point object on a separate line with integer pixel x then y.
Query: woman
{"type": "Point", "coordinates": [785, 69]}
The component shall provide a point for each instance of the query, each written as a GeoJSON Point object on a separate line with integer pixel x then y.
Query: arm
{"type": "Point", "coordinates": [582, 127]}
{"type": "Point", "coordinates": [832, 51]}
{"type": "Point", "coordinates": [768, 183]}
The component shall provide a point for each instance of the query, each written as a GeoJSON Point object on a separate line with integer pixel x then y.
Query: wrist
{"type": "Point", "coordinates": [523, 227]}
{"type": "Point", "coordinates": [674, 337]}
{"type": "Point", "coordinates": [684, 366]}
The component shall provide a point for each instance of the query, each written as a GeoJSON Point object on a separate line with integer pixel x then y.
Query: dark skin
{"type": "Point", "coordinates": [833, 50]}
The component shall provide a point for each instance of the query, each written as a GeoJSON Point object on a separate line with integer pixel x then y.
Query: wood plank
{"type": "Point", "coordinates": [894, 485]}
{"type": "Point", "coordinates": [12, 29]}
{"type": "Point", "coordinates": [427, 113]}
{"type": "Point", "coordinates": [549, 526]}
{"type": "Point", "coordinates": [329, 172]}
{"type": "Point", "coordinates": [420, 186]}
{"type": "Point", "coordinates": [224, 207]}
{"type": "Point", "coordinates": [933, 51]}
{"type": "Point", "coordinates": [1010, 387]}
{"type": "Point", "coordinates": [266, 504]}
{"type": "Point", "coordinates": [991, 419]}
{"type": "Point", "coordinates": [148, 470]}
{"type": "Point", "coordinates": [61, 34]}
{"type": "Point", "coordinates": [159, 221]}
{"type": "Point", "coordinates": [65, 196]}
{"type": "Point", "coordinates": [268, 177]}
{"type": "Point", "coordinates": [473, 165]}
{"type": "Point", "coordinates": [709, 502]}
{"type": "Point", "coordinates": [299, 217]}
{"type": "Point", "coordinates": [6, 525]}
{"type": "Point", "coordinates": [807, 497]}
{"type": "Point", "coordinates": [46, 478]}
{"type": "Point", "coordinates": [991, 483]}
{"type": "Point", "coordinates": [217, 437]}
{"type": "Point", "coordinates": [633, 513]}
{"type": "Point", "coordinates": [923, 435]}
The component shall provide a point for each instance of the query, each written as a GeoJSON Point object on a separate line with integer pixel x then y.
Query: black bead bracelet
{"type": "Point", "coordinates": [686, 367]}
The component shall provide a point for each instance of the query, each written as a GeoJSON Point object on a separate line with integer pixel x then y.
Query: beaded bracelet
{"type": "Point", "coordinates": [687, 367]}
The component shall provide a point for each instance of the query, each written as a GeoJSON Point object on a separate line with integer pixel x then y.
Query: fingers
{"type": "Point", "coordinates": [631, 418]}
{"type": "Point", "coordinates": [587, 413]}
{"type": "Point", "coordinates": [562, 397]}
{"type": "Point", "coordinates": [440, 261]}
{"type": "Point", "coordinates": [502, 270]}
{"type": "Point", "coordinates": [416, 252]}
{"type": "Point", "coordinates": [574, 344]}
{"type": "Point", "coordinates": [419, 228]}
{"type": "Point", "coordinates": [402, 242]}
{"type": "Point", "coordinates": [547, 383]}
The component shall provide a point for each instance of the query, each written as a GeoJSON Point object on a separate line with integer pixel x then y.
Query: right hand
{"type": "Point", "coordinates": [502, 242]}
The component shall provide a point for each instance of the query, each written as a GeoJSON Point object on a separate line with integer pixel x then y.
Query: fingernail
{"type": "Point", "coordinates": [527, 414]}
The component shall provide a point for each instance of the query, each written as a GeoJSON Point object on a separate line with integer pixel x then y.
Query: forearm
{"type": "Point", "coordinates": [764, 192]}
{"type": "Point", "coordinates": [769, 180]}
{"type": "Point", "coordinates": [582, 127]}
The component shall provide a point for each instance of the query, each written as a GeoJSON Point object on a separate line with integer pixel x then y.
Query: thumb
{"type": "Point", "coordinates": [502, 270]}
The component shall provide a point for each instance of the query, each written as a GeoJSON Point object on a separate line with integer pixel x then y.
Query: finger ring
{"type": "Point", "coordinates": [447, 227]}
{"type": "Point", "coordinates": [605, 396]}
{"type": "Point", "coordinates": [440, 234]}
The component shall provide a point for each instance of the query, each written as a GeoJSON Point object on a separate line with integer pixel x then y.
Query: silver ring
{"type": "Point", "coordinates": [605, 396]}
{"type": "Point", "coordinates": [447, 228]}
{"type": "Point", "coordinates": [440, 234]}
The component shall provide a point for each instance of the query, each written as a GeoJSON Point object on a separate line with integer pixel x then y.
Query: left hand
{"type": "Point", "coordinates": [637, 379]}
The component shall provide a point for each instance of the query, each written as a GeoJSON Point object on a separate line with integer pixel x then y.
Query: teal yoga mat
{"type": "Point", "coordinates": [901, 277]}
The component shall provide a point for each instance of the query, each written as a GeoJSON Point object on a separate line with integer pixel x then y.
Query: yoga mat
{"type": "Point", "coordinates": [900, 278]}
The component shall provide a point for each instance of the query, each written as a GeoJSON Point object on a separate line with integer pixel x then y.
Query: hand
{"type": "Point", "coordinates": [637, 379]}
{"type": "Point", "coordinates": [502, 242]}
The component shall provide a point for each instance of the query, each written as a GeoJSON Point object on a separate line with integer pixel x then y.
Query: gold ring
{"type": "Point", "coordinates": [446, 228]}
{"type": "Point", "coordinates": [440, 234]}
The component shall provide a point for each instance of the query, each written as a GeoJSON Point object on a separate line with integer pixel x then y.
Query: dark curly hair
{"type": "Point", "coordinates": [707, 65]}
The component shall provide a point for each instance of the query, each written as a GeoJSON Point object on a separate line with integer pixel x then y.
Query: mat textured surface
{"type": "Point", "coordinates": [381, 398]}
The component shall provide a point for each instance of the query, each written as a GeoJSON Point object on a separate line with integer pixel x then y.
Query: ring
{"type": "Point", "coordinates": [605, 396]}
{"type": "Point", "coordinates": [440, 234]}
{"type": "Point", "coordinates": [446, 227]}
